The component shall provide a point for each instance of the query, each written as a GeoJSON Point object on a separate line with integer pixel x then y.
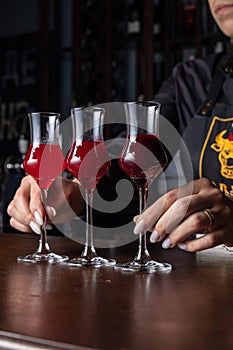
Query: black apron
{"type": "Point", "coordinates": [209, 136]}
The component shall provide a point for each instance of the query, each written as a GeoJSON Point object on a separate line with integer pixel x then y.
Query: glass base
{"type": "Point", "coordinates": [86, 261]}
{"type": "Point", "coordinates": [42, 257]}
{"type": "Point", "coordinates": [149, 266]}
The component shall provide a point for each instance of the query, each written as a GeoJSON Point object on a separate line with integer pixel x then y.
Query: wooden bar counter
{"type": "Point", "coordinates": [46, 306]}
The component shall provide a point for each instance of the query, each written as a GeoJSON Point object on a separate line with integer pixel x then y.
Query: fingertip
{"type": "Point", "coordinates": [38, 218]}
{"type": "Point", "coordinates": [154, 237]}
{"type": "Point", "coordinates": [35, 227]}
{"type": "Point", "coordinates": [182, 246]}
{"type": "Point", "coordinates": [48, 227]}
{"type": "Point", "coordinates": [51, 211]}
{"type": "Point", "coordinates": [140, 227]}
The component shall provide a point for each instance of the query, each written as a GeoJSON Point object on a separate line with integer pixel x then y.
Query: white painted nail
{"type": "Point", "coordinates": [182, 246]}
{"type": "Point", "coordinates": [35, 228]}
{"type": "Point", "coordinates": [135, 219]}
{"type": "Point", "coordinates": [140, 227]}
{"type": "Point", "coordinates": [38, 218]}
{"type": "Point", "coordinates": [154, 237]}
{"type": "Point", "coordinates": [51, 211]}
{"type": "Point", "coordinates": [166, 243]}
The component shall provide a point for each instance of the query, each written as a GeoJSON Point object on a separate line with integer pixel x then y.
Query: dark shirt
{"type": "Point", "coordinates": [182, 128]}
{"type": "Point", "coordinates": [185, 90]}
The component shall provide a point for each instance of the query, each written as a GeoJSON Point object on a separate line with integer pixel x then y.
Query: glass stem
{"type": "Point", "coordinates": [142, 254]}
{"type": "Point", "coordinates": [89, 249]}
{"type": "Point", "coordinates": [43, 244]}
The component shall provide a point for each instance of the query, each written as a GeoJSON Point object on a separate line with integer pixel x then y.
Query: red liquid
{"type": "Point", "coordinates": [88, 162]}
{"type": "Point", "coordinates": [143, 159]}
{"type": "Point", "coordinates": [44, 162]}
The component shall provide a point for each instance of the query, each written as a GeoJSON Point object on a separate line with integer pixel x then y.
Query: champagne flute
{"type": "Point", "coordinates": [44, 161]}
{"type": "Point", "coordinates": [142, 159]}
{"type": "Point", "coordinates": [88, 160]}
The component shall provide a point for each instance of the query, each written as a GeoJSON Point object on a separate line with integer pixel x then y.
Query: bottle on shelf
{"type": "Point", "coordinates": [14, 172]}
{"type": "Point", "coordinates": [14, 164]}
{"type": "Point", "coordinates": [134, 23]}
{"type": "Point", "coordinates": [158, 18]}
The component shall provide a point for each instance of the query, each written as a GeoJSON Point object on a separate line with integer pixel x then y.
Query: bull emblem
{"type": "Point", "coordinates": [224, 147]}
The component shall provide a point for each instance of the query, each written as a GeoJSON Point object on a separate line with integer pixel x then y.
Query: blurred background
{"type": "Point", "coordinates": [55, 54]}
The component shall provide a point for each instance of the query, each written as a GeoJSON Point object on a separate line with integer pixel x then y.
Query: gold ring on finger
{"type": "Point", "coordinates": [210, 215]}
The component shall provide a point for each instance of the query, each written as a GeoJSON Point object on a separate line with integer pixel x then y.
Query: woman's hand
{"type": "Point", "coordinates": [26, 210]}
{"type": "Point", "coordinates": [181, 212]}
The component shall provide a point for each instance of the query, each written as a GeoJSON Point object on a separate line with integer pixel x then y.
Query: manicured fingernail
{"type": "Point", "coordinates": [51, 211]}
{"type": "Point", "coordinates": [166, 243]}
{"type": "Point", "coordinates": [154, 237]}
{"type": "Point", "coordinates": [35, 228]}
{"type": "Point", "coordinates": [48, 227]}
{"type": "Point", "coordinates": [182, 246]}
{"type": "Point", "coordinates": [38, 218]}
{"type": "Point", "coordinates": [140, 227]}
{"type": "Point", "coordinates": [135, 219]}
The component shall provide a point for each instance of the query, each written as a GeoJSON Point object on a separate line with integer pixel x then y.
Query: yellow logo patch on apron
{"type": "Point", "coordinates": [216, 158]}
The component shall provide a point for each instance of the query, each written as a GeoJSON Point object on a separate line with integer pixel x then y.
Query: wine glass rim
{"type": "Point", "coordinates": [144, 103]}
{"type": "Point", "coordinates": [44, 114]}
{"type": "Point", "coordinates": [97, 108]}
